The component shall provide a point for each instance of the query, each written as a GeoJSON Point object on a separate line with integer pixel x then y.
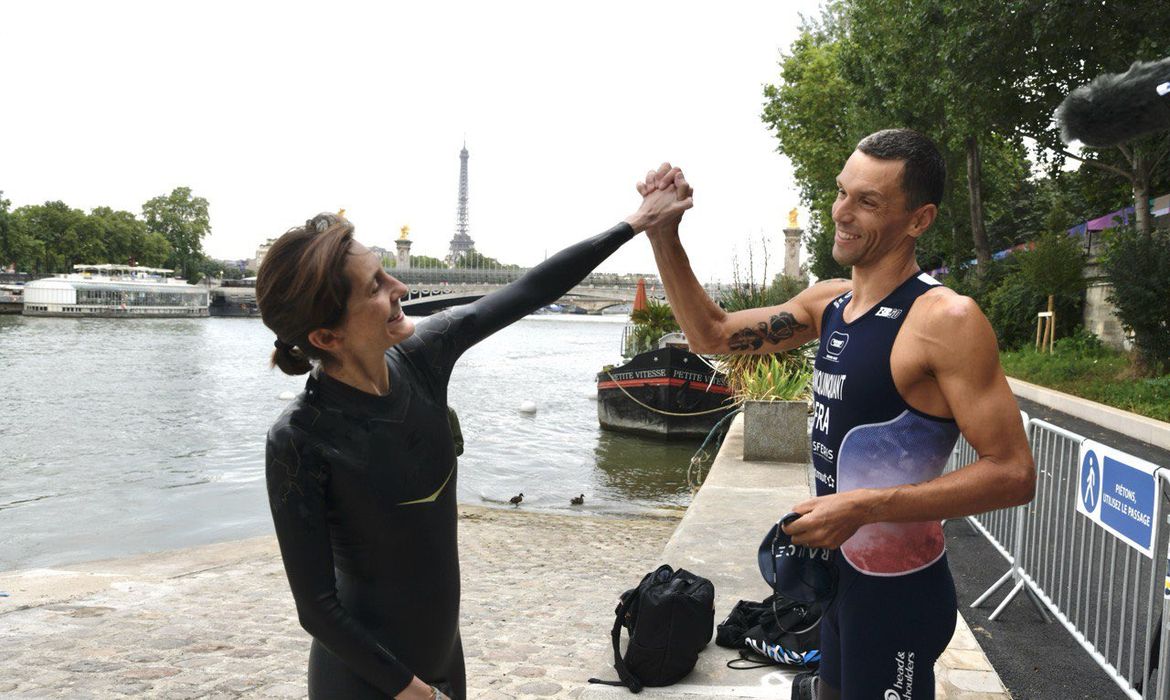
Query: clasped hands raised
{"type": "Point", "coordinates": [665, 196]}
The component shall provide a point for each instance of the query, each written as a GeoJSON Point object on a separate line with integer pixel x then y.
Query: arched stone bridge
{"type": "Point", "coordinates": [428, 298]}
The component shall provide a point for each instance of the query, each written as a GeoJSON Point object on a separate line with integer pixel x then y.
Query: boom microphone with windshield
{"type": "Point", "coordinates": [1117, 107]}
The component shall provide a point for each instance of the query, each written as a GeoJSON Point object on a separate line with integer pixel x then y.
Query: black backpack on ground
{"type": "Point", "coordinates": [670, 617]}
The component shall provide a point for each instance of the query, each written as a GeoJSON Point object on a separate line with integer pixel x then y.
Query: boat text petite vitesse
{"type": "Point", "coordinates": [667, 391]}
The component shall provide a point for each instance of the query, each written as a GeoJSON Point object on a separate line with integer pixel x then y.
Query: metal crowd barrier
{"type": "Point", "coordinates": [1001, 528]}
{"type": "Point", "coordinates": [1108, 595]}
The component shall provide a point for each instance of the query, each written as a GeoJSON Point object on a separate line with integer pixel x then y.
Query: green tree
{"type": "Point", "coordinates": [425, 261]}
{"type": "Point", "coordinates": [817, 120]}
{"type": "Point", "coordinates": [205, 269]}
{"type": "Point", "coordinates": [977, 78]}
{"type": "Point", "coordinates": [1138, 265]}
{"type": "Point", "coordinates": [5, 255]}
{"type": "Point", "coordinates": [231, 272]}
{"type": "Point", "coordinates": [473, 259]}
{"type": "Point", "coordinates": [123, 234]}
{"type": "Point", "coordinates": [183, 220]}
{"type": "Point", "coordinates": [784, 287]}
{"type": "Point", "coordinates": [54, 228]}
{"type": "Point", "coordinates": [956, 71]}
{"type": "Point", "coordinates": [1056, 266]}
{"type": "Point", "coordinates": [1078, 42]}
{"type": "Point", "coordinates": [17, 247]}
{"type": "Point", "coordinates": [818, 114]}
{"type": "Point", "coordinates": [153, 251]}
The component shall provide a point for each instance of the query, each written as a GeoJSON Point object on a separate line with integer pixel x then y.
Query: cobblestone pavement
{"type": "Point", "coordinates": [219, 622]}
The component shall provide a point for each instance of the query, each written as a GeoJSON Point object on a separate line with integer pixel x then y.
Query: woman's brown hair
{"type": "Point", "coordinates": [301, 286]}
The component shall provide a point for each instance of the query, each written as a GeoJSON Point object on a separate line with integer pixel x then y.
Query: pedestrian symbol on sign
{"type": "Point", "coordinates": [1090, 481]}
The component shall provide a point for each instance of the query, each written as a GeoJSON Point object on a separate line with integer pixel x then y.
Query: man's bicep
{"type": "Point", "coordinates": [967, 369]}
{"type": "Point", "coordinates": [781, 327]}
{"type": "Point", "coordinates": [768, 329]}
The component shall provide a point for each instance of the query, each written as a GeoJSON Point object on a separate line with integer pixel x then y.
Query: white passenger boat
{"type": "Point", "coordinates": [114, 291]}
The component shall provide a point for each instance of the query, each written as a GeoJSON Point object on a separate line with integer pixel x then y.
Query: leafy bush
{"type": "Point", "coordinates": [780, 376]}
{"type": "Point", "coordinates": [749, 295]}
{"type": "Point", "coordinates": [1081, 343]}
{"type": "Point", "coordinates": [650, 324]}
{"type": "Point", "coordinates": [1012, 307]}
{"type": "Point", "coordinates": [1013, 290]}
{"type": "Point", "coordinates": [774, 379]}
{"type": "Point", "coordinates": [1138, 266]}
{"type": "Point", "coordinates": [1083, 367]}
{"type": "Point", "coordinates": [968, 282]}
{"type": "Point", "coordinates": [1055, 266]}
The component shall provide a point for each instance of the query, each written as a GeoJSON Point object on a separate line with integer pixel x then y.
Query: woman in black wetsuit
{"type": "Point", "coordinates": [361, 468]}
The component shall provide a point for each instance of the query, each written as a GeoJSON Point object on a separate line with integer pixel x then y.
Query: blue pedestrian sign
{"type": "Point", "coordinates": [1117, 491]}
{"type": "Point", "coordinates": [1091, 477]}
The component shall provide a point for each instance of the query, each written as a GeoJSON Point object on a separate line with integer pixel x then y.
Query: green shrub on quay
{"type": "Point", "coordinates": [1080, 365]}
{"type": "Point", "coordinates": [1138, 267]}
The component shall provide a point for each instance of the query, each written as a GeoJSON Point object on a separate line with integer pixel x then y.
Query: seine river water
{"type": "Point", "coordinates": [118, 437]}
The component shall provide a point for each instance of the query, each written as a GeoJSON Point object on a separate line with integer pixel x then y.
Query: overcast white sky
{"type": "Point", "coordinates": [275, 111]}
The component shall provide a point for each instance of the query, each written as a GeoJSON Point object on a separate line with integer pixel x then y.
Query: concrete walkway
{"type": "Point", "coordinates": [718, 538]}
{"type": "Point", "coordinates": [218, 621]}
{"type": "Point", "coordinates": [538, 595]}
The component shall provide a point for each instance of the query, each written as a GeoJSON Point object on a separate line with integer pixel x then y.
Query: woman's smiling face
{"type": "Point", "coordinates": [373, 313]}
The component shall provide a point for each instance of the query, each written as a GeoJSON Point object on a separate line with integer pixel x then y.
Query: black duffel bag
{"type": "Point", "coordinates": [670, 617]}
{"type": "Point", "coordinates": [778, 629]}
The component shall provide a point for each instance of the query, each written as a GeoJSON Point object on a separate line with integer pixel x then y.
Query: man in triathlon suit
{"type": "Point", "coordinates": [904, 366]}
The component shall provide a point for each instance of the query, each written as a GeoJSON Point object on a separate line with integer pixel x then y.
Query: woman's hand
{"type": "Point", "coordinates": [665, 196]}
{"type": "Point", "coordinates": [417, 690]}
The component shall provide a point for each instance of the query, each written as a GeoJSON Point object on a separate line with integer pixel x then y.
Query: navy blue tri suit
{"type": "Point", "coordinates": [895, 606]}
{"type": "Point", "coordinates": [362, 491]}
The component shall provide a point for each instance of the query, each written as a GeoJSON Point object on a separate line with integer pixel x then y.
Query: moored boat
{"type": "Point", "coordinates": [114, 291]}
{"type": "Point", "coordinates": [235, 298]}
{"type": "Point", "coordinates": [667, 391]}
{"type": "Point", "coordinates": [11, 298]}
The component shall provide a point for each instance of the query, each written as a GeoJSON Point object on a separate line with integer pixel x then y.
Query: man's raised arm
{"type": "Point", "coordinates": [710, 329]}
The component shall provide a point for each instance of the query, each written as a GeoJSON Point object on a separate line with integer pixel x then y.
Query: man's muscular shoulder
{"type": "Point", "coordinates": [951, 326]}
{"type": "Point", "coordinates": [943, 308]}
{"type": "Point", "coordinates": [818, 296]}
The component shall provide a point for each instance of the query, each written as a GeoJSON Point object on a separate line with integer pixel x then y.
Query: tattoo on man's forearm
{"type": "Point", "coordinates": [780, 327]}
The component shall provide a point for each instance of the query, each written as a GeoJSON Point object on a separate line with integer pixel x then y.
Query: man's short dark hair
{"type": "Point", "coordinates": [923, 171]}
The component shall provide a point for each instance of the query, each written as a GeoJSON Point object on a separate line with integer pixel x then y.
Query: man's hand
{"type": "Point", "coordinates": [663, 201]}
{"type": "Point", "coordinates": [827, 521]}
{"type": "Point", "coordinates": [670, 179]}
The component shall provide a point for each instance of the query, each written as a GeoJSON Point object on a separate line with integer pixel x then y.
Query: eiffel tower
{"type": "Point", "coordinates": [461, 244]}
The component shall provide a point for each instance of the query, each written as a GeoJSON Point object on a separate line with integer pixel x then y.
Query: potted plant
{"type": "Point", "coordinates": [775, 390]}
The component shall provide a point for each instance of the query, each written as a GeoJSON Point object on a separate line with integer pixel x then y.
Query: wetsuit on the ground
{"type": "Point", "coordinates": [895, 607]}
{"type": "Point", "coordinates": [362, 490]}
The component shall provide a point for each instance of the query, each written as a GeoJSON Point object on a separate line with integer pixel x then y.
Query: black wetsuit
{"type": "Point", "coordinates": [362, 490]}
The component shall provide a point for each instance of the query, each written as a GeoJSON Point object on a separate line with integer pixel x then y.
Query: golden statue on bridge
{"type": "Point", "coordinates": [405, 232]}
{"type": "Point", "coordinates": [792, 219]}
